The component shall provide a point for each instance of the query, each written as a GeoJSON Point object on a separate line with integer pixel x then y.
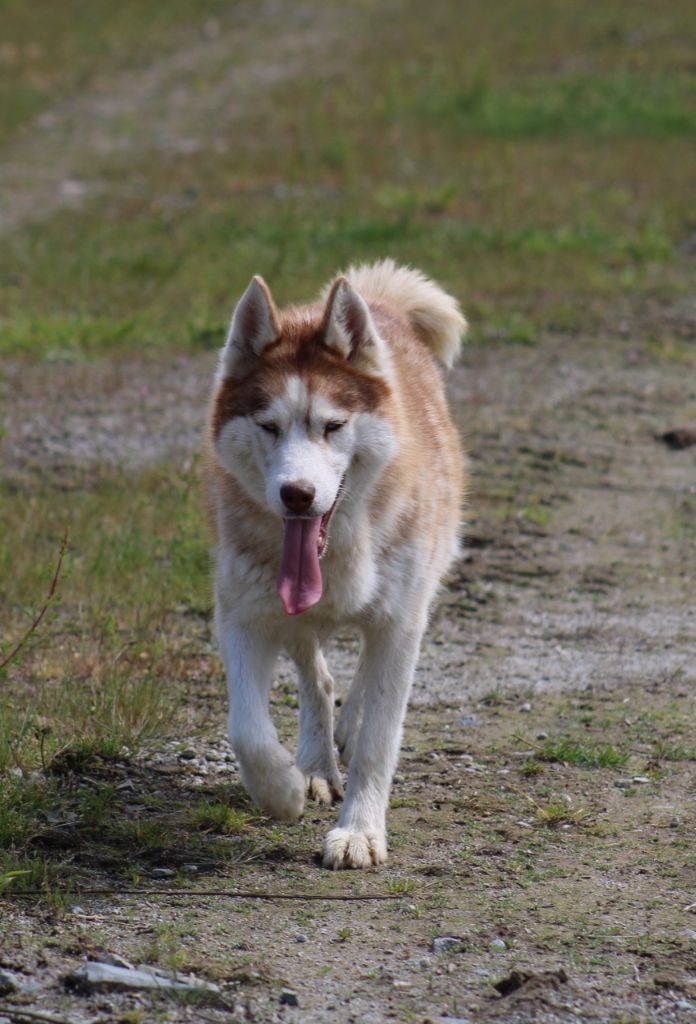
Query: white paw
{"type": "Point", "coordinates": [346, 849]}
{"type": "Point", "coordinates": [324, 791]}
{"type": "Point", "coordinates": [277, 788]}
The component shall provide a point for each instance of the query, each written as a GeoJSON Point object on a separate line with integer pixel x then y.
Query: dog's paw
{"type": "Point", "coordinates": [346, 849]}
{"type": "Point", "coordinates": [323, 790]}
{"type": "Point", "coordinates": [278, 788]}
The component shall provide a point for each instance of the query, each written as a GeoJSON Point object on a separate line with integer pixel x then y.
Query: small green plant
{"type": "Point", "coordinates": [210, 816]}
{"type": "Point", "coordinates": [585, 755]}
{"type": "Point", "coordinates": [557, 813]}
{"type": "Point", "coordinates": [400, 886]}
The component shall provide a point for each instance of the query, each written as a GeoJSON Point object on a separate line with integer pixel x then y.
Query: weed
{"type": "Point", "coordinates": [219, 817]}
{"type": "Point", "coordinates": [557, 813]}
{"type": "Point", "coordinates": [400, 886]}
{"type": "Point", "coordinates": [584, 755]}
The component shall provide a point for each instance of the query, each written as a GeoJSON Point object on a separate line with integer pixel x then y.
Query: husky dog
{"type": "Point", "coordinates": [334, 478]}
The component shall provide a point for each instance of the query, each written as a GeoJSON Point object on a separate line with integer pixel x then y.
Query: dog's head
{"type": "Point", "coordinates": [300, 419]}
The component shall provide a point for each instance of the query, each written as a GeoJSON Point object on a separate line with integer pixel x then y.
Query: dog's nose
{"type": "Point", "coordinates": [298, 496]}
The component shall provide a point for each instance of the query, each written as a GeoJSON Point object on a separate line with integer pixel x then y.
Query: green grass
{"type": "Point", "coordinates": [583, 754]}
{"type": "Point", "coordinates": [539, 193]}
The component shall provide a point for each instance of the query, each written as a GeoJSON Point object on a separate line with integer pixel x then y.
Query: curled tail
{"type": "Point", "coordinates": [434, 315]}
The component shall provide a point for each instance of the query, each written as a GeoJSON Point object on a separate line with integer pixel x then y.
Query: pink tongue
{"type": "Point", "coordinates": [299, 578]}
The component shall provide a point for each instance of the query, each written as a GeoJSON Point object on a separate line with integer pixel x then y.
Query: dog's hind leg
{"type": "Point", "coordinates": [348, 724]}
{"type": "Point", "coordinates": [315, 752]}
{"type": "Point", "coordinates": [390, 653]}
{"type": "Point", "coordinates": [267, 769]}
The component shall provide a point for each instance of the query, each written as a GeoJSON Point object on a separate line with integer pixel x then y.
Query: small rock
{"type": "Point", "coordinates": [684, 1004]}
{"type": "Point", "coordinates": [13, 981]}
{"type": "Point", "coordinates": [641, 780]}
{"type": "Point", "coordinates": [678, 438]}
{"type": "Point", "coordinates": [542, 736]}
{"type": "Point", "coordinates": [289, 998]}
{"type": "Point", "coordinates": [525, 708]}
{"type": "Point", "coordinates": [446, 944]}
{"type": "Point", "coordinates": [162, 873]}
{"type": "Point", "coordinates": [213, 755]}
{"type": "Point", "coordinates": [95, 976]}
{"type": "Point", "coordinates": [623, 783]}
{"type": "Point", "coordinates": [469, 721]}
{"type": "Point", "coordinates": [300, 938]}
{"type": "Point", "coordinates": [689, 933]}
{"type": "Point", "coordinates": [675, 821]}
{"type": "Point", "coordinates": [115, 961]}
{"type": "Point", "coordinates": [188, 754]}
{"type": "Point", "coordinates": [498, 945]}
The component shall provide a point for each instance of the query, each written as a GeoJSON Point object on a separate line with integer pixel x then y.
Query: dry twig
{"type": "Point", "coordinates": [44, 608]}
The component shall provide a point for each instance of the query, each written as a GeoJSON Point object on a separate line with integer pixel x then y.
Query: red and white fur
{"type": "Point", "coordinates": [329, 437]}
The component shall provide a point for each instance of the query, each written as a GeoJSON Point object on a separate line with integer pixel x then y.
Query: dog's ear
{"type": "Point", "coordinates": [349, 330]}
{"type": "Point", "coordinates": [254, 326]}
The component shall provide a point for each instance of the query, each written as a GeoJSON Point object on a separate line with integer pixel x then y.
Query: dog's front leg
{"type": "Point", "coordinates": [389, 660]}
{"type": "Point", "coordinates": [266, 767]}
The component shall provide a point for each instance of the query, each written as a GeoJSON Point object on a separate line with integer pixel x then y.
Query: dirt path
{"type": "Point", "coordinates": [571, 612]}
{"type": "Point", "coordinates": [187, 99]}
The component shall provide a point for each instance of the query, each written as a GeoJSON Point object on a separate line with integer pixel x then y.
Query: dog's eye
{"type": "Point", "coordinates": [270, 428]}
{"type": "Point", "coordinates": [333, 425]}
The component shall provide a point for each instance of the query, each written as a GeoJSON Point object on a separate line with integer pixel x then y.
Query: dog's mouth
{"type": "Point", "coordinates": [304, 543]}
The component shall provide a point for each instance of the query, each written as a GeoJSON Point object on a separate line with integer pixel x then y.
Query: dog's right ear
{"type": "Point", "coordinates": [254, 326]}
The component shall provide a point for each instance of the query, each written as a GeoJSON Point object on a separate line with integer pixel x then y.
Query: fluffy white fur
{"type": "Point", "coordinates": [434, 315]}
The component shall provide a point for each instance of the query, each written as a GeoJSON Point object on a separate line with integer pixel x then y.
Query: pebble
{"type": "Point", "coordinates": [300, 938]}
{"type": "Point", "coordinates": [469, 721]}
{"type": "Point", "coordinates": [446, 944]}
{"type": "Point", "coordinates": [623, 783]}
{"type": "Point", "coordinates": [188, 754]}
{"type": "Point", "coordinates": [641, 780]}
{"type": "Point", "coordinates": [12, 981]}
{"type": "Point", "coordinates": [498, 945]}
{"type": "Point", "coordinates": [689, 933]}
{"type": "Point", "coordinates": [525, 708]}
{"type": "Point", "coordinates": [684, 1004]}
{"type": "Point", "coordinates": [542, 736]}
{"type": "Point", "coordinates": [289, 998]}
{"type": "Point", "coordinates": [675, 822]}
{"type": "Point", "coordinates": [162, 873]}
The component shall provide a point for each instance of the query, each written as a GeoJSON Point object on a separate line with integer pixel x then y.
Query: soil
{"type": "Point", "coordinates": [568, 889]}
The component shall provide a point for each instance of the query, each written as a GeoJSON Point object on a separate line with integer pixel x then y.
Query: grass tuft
{"type": "Point", "coordinates": [585, 755]}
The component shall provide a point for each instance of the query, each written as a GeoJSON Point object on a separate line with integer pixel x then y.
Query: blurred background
{"type": "Point", "coordinates": [536, 156]}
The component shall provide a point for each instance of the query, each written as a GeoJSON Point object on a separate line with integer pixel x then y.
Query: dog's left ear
{"type": "Point", "coordinates": [349, 330]}
{"type": "Point", "coordinates": [254, 326]}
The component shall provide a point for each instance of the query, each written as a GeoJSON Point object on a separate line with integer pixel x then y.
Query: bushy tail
{"type": "Point", "coordinates": [434, 315]}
